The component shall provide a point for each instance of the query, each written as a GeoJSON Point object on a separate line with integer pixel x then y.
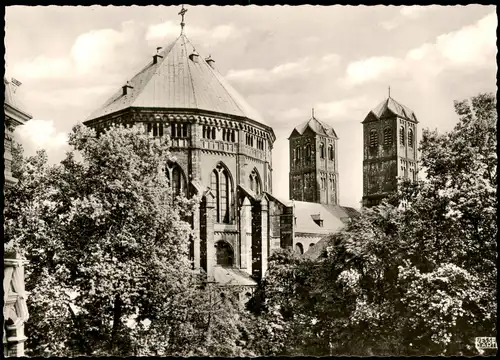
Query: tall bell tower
{"type": "Point", "coordinates": [313, 163]}
{"type": "Point", "coordinates": [389, 149]}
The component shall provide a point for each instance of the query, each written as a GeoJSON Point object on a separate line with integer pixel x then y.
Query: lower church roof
{"type": "Point", "coordinates": [315, 218]}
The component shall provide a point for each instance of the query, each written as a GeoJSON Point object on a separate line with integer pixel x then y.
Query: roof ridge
{"type": "Point", "coordinates": [111, 99]}
{"type": "Point", "coordinates": [216, 73]}
{"type": "Point", "coordinates": [164, 83]}
{"type": "Point", "coordinates": [323, 125]}
{"type": "Point", "coordinates": [189, 69]}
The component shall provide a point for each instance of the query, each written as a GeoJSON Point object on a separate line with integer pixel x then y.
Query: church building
{"type": "Point", "coordinates": [314, 184]}
{"type": "Point", "coordinates": [222, 148]}
{"type": "Point", "coordinates": [223, 151]}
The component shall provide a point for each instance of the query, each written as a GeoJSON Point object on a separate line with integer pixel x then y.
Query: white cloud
{"type": "Point", "coordinates": [366, 70]}
{"type": "Point", "coordinates": [414, 11]}
{"type": "Point", "coordinates": [339, 110]}
{"type": "Point", "coordinates": [73, 96]}
{"type": "Point", "coordinates": [41, 134]}
{"type": "Point", "coordinates": [169, 30]}
{"type": "Point", "coordinates": [93, 49]}
{"type": "Point", "coordinates": [304, 66]}
{"type": "Point", "coordinates": [389, 24]}
{"type": "Point", "coordinates": [166, 29]}
{"type": "Point", "coordinates": [43, 67]}
{"type": "Point", "coordinates": [291, 113]}
{"type": "Point", "coordinates": [405, 13]}
{"type": "Point", "coordinates": [344, 109]}
{"type": "Point", "coordinates": [472, 46]}
{"type": "Point", "coordinates": [94, 53]}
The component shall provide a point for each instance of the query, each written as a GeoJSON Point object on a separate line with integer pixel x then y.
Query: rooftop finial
{"type": "Point", "coordinates": [313, 113]}
{"type": "Point", "coordinates": [389, 91]}
{"type": "Point", "coordinates": [181, 13]}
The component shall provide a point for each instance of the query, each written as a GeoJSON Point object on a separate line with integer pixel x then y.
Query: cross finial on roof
{"type": "Point", "coordinates": [181, 13]}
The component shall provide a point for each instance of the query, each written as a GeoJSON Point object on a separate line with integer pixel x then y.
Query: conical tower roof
{"type": "Point", "coordinates": [391, 107]}
{"type": "Point", "coordinates": [317, 126]}
{"type": "Point", "coordinates": [180, 79]}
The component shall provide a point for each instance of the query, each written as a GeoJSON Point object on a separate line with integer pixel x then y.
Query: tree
{"type": "Point", "coordinates": [453, 216]}
{"type": "Point", "coordinates": [284, 307]}
{"type": "Point", "coordinates": [108, 248]}
{"type": "Point", "coordinates": [419, 280]}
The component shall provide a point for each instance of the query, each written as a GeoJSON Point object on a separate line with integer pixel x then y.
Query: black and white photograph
{"type": "Point", "coordinates": [250, 181]}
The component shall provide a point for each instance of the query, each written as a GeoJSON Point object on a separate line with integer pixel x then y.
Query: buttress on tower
{"type": "Point", "coordinates": [390, 150]}
{"type": "Point", "coordinates": [313, 163]}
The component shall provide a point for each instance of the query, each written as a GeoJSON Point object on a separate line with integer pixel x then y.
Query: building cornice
{"type": "Point", "coordinates": [17, 116]}
{"type": "Point", "coordinates": [204, 117]}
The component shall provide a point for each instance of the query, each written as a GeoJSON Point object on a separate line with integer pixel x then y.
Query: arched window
{"type": "Point", "coordinates": [221, 184]}
{"type": "Point", "coordinates": [160, 128]}
{"type": "Point", "coordinates": [224, 201]}
{"type": "Point", "coordinates": [298, 154]}
{"type": "Point", "coordinates": [308, 152]}
{"type": "Point", "coordinates": [177, 179]}
{"type": "Point", "coordinates": [213, 133]}
{"type": "Point", "coordinates": [402, 135]}
{"type": "Point", "coordinates": [232, 136]}
{"type": "Point", "coordinates": [255, 182]}
{"type": "Point", "coordinates": [155, 129]}
{"type": "Point", "coordinates": [373, 138]}
{"type": "Point", "coordinates": [299, 248]}
{"type": "Point", "coordinates": [410, 138]}
{"type": "Point", "coordinates": [331, 153]}
{"type": "Point", "coordinates": [214, 176]}
{"type": "Point", "coordinates": [387, 136]}
{"type": "Point", "coordinates": [322, 150]}
{"type": "Point", "coordinates": [224, 254]}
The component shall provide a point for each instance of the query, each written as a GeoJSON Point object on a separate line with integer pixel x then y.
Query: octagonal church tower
{"type": "Point", "coordinates": [222, 148]}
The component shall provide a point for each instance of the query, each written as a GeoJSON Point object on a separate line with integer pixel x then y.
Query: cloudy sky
{"type": "Point", "coordinates": [284, 60]}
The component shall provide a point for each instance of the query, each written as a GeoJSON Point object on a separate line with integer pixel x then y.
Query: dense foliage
{"type": "Point", "coordinates": [415, 275]}
{"type": "Point", "coordinates": [109, 271]}
{"type": "Point", "coordinates": [108, 250]}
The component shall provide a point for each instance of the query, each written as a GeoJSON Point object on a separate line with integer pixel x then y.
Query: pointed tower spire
{"type": "Point", "coordinates": [181, 13]}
